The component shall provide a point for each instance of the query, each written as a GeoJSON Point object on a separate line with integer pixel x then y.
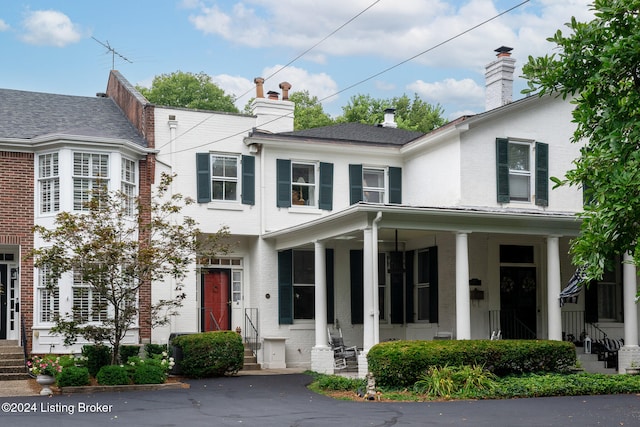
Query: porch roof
{"type": "Point", "coordinates": [409, 221]}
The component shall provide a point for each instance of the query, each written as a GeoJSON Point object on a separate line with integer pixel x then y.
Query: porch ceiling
{"type": "Point", "coordinates": [413, 222]}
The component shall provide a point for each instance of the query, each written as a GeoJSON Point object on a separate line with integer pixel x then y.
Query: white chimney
{"type": "Point", "coordinates": [272, 113]}
{"type": "Point", "coordinates": [389, 118]}
{"type": "Point", "coordinates": [499, 79]}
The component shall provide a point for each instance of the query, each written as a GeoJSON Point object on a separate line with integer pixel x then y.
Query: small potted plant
{"type": "Point", "coordinates": [45, 371]}
{"type": "Point", "coordinates": [634, 368]}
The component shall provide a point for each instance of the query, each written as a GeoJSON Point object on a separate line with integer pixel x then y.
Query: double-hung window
{"type": "Point", "coordinates": [88, 305]}
{"type": "Point", "coordinates": [373, 185]}
{"type": "Point", "coordinates": [426, 289]}
{"type": "Point", "coordinates": [303, 285]}
{"type": "Point", "coordinates": [48, 294]}
{"type": "Point", "coordinates": [522, 171]}
{"type": "Point", "coordinates": [49, 182]}
{"type": "Point", "coordinates": [224, 177]}
{"type": "Point", "coordinates": [128, 185]}
{"type": "Point", "coordinates": [303, 184]}
{"type": "Point", "coordinates": [90, 175]}
{"type": "Point", "coordinates": [300, 183]}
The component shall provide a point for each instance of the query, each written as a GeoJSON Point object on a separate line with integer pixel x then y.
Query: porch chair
{"type": "Point", "coordinates": [341, 352]}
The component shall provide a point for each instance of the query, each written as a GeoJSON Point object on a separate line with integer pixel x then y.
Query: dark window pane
{"type": "Point", "coordinates": [303, 267]}
{"type": "Point", "coordinates": [303, 302]}
{"type": "Point", "coordinates": [516, 254]}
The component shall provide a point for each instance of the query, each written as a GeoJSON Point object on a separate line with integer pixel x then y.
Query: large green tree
{"type": "Point", "coordinates": [114, 248]}
{"type": "Point", "coordinates": [410, 114]}
{"type": "Point", "coordinates": [597, 66]}
{"type": "Point", "coordinates": [188, 90]}
{"type": "Point", "coordinates": [308, 111]}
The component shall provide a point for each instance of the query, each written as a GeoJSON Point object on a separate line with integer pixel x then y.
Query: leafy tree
{"type": "Point", "coordinates": [415, 114]}
{"type": "Point", "coordinates": [308, 112]}
{"type": "Point", "coordinates": [115, 250]}
{"type": "Point", "coordinates": [188, 90]}
{"type": "Point", "coordinates": [597, 66]}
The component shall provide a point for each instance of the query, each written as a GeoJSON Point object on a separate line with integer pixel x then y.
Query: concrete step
{"type": "Point", "coordinates": [14, 376]}
{"type": "Point", "coordinates": [5, 350]}
{"type": "Point", "coordinates": [251, 367]}
{"type": "Point", "coordinates": [591, 364]}
{"type": "Point", "coordinates": [9, 343]}
{"type": "Point", "coordinates": [18, 369]}
{"type": "Point", "coordinates": [12, 361]}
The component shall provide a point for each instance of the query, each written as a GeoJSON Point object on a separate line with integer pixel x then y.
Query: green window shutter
{"type": "Point", "coordinates": [433, 284]}
{"type": "Point", "coordinates": [203, 177]}
{"type": "Point", "coordinates": [502, 169]}
{"type": "Point", "coordinates": [355, 183]}
{"type": "Point", "coordinates": [397, 284]}
{"type": "Point", "coordinates": [283, 178]}
{"type": "Point", "coordinates": [409, 285]}
{"type": "Point", "coordinates": [395, 185]}
{"type": "Point", "coordinates": [285, 287]}
{"type": "Point", "coordinates": [326, 186]}
{"type": "Point", "coordinates": [591, 302]}
{"type": "Point", "coordinates": [357, 286]}
{"type": "Point", "coordinates": [330, 285]}
{"type": "Point", "coordinates": [248, 180]}
{"type": "Point", "coordinates": [542, 174]}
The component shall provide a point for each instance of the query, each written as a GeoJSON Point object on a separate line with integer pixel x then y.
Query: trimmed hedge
{"type": "Point", "coordinates": [401, 363]}
{"type": "Point", "coordinates": [97, 357]}
{"type": "Point", "coordinates": [210, 354]}
{"type": "Point", "coordinates": [73, 376]}
{"type": "Point", "coordinates": [113, 375]}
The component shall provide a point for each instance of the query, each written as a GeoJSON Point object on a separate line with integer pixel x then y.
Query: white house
{"type": "Point", "coordinates": [384, 233]}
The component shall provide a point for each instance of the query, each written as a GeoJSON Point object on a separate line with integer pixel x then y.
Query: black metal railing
{"type": "Point", "coordinates": [510, 325]}
{"type": "Point", "coordinates": [23, 338]}
{"type": "Point", "coordinates": [574, 327]}
{"type": "Point", "coordinates": [251, 329]}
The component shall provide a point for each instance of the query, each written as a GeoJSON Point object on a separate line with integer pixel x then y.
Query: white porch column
{"type": "Point", "coordinates": [554, 313]}
{"type": "Point", "coordinates": [321, 295]}
{"type": "Point", "coordinates": [463, 303]}
{"type": "Point", "coordinates": [321, 353]}
{"type": "Point", "coordinates": [368, 339]}
{"type": "Point", "coordinates": [629, 301]}
{"type": "Point", "coordinates": [630, 352]}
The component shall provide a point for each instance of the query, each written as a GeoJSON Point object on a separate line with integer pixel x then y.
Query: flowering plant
{"type": "Point", "coordinates": [44, 366]}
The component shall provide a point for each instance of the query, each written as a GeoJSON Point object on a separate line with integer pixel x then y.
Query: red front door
{"type": "Point", "coordinates": [215, 300]}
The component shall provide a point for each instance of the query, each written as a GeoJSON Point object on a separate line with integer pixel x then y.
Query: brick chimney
{"type": "Point", "coordinates": [272, 113]}
{"type": "Point", "coordinates": [499, 79]}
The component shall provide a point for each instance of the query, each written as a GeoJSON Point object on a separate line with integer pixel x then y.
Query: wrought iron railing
{"type": "Point", "coordinates": [574, 327]}
{"type": "Point", "coordinates": [23, 338]}
{"type": "Point", "coordinates": [251, 329]}
{"type": "Point", "coordinates": [510, 325]}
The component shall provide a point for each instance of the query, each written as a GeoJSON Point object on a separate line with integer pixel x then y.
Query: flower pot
{"type": "Point", "coordinates": [633, 370]}
{"type": "Point", "coordinates": [45, 381]}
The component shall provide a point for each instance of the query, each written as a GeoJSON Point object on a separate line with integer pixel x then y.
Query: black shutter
{"type": "Point", "coordinates": [248, 180]}
{"type": "Point", "coordinates": [203, 177]}
{"type": "Point", "coordinates": [285, 287]}
{"type": "Point", "coordinates": [357, 284]}
{"type": "Point", "coordinates": [395, 185]}
{"type": "Point", "coordinates": [326, 186]}
{"type": "Point", "coordinates": [397, 284]}
{"type": "Point", "coordinates": [283, 178]}
{"type": "Point", "coordinates": [591, 302]}
{"type": "Point", "coordinates": [330, 285]}
{"type": "Point", "coordinates": [433, 284]}
{"type": "Point", "coordinates": [502, 169]}
{"type": "Point", "coordinates": [409, 284]}
{"type": "Point", "coordinates": [355, 183]}
{"type": "Point", "coordinates": [542, 174]}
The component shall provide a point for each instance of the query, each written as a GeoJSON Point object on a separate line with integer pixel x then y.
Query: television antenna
{"type": "Point", "coordinates": [113, 53]}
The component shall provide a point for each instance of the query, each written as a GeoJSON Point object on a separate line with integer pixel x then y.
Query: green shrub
{"type": "Point", "coordinates": [152, 349]}
{"type": "Point", "coordinates": [127, 351]}
{"type": "Point", "coordinates": [210, 354]}
{"type": "Point", "coordinates": [146, 373]}
{"type": "Point", "coordinates": [66, 361]}
{"type": "Point", "coordinates": [113, 375]}
{"type": "Point", "coordinates": [446, 381]}
{"type": "Point", "coordinates": [97, 357]}
{"type": "Point", "coordinates": [73, 376]}
{"type": "Point", "coordinates": [401, 363]}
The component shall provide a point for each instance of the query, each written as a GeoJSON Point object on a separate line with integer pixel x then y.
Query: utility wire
{"type": "Point", "coordinates": [486, 21]}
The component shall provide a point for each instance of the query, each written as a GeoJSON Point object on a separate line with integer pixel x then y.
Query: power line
{"type": "Point", "coordinates": [486, 21]}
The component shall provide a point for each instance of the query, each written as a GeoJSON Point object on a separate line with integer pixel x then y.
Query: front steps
{"type": "Point", "coordinates": [12, 363]}
{"type": "Point", "coordinates": [591, 364]}
{"type": "Point", "coordinates": [250, 361]}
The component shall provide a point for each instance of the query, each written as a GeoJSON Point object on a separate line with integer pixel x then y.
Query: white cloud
{"type": "Point", "coordinates": [450, 91]}
{"type": "Point", "coordinates": [50, 28]}
{"type": "Point", "coordinates": [3, 25]}
{"type": "Point", "coordinates": [318, 84]}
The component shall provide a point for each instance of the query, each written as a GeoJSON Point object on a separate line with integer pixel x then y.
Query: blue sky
{"type": "Point", "coordinates": [49, 46]}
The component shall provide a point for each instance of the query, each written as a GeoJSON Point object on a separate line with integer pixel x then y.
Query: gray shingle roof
{"type": "Point", "coordinates": [358, 132]}
{"type": "Point", "coordinates": [28, 115]}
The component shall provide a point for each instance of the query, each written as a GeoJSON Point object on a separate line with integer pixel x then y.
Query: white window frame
{"type": "Point", "coordinates": [225, 179]}
{"type": "Point", "coordinates": [519, 173]}
{"type": "Point", "coordinates": [424, 286]}
{"type": "Point", "coordinates": [305, 286]}
{"type": "Point", "coordinates": [48, 297]}
{"type": "Point", "coordinates": [91, 301]}
{"type": "Point", "coordinates": [49, 182]}
{"type": "Point", "coordinates": [367, 190]}
{"type": "Point", "coordinates": [128, 184]}
{"type": "Point", "coordinates": [89, 177]}
{"type": "Point", "coordinates": [300, 185]}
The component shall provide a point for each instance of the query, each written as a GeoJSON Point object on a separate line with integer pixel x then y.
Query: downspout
{"type": "Point", "coordinates": [376, 297]}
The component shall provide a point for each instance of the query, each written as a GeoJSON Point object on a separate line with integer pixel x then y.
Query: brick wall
{"type": "Point", "coordinates": [16, 211]}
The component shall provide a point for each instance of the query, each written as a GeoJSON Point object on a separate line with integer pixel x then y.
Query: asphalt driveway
{"type": "Point", "coordinates": [283, 400]}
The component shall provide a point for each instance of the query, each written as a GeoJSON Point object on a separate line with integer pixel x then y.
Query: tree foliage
{"type": "Point", "coordinates": [188, 90]}
{"type": "Point", "coordinates": [597, 65]}
{"type": "Point", "coordinates": [416, 114]}
{"type": "Point", "coordinates": [116, 251]}
{"type": "Point", "coordinates": [308, 112]}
